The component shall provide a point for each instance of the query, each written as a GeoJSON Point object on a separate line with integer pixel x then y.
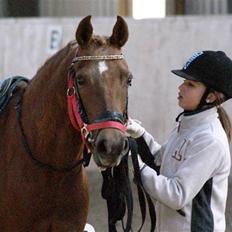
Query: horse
{"type": "Point", "coordinates": [76, 101]}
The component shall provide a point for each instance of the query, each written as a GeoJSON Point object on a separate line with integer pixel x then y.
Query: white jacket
{"type": "Point", "coordinates": [195, 165]}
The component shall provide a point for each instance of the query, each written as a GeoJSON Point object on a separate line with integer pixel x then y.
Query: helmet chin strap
{"type": "Point", "coordinates": [202, 106]}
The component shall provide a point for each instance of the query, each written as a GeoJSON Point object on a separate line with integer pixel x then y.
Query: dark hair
{"type": "Point", "coordinates": [223, 116]}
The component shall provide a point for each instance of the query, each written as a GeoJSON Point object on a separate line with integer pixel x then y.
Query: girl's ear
{"type": "Point", "coordinates": [211, 98]}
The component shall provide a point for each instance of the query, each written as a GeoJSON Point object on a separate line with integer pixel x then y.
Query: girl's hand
{"type": "Point", "coordinates": [134, 128]}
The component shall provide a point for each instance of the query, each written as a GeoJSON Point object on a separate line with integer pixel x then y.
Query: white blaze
{"type": "Point", "coordinates": [102, 67]}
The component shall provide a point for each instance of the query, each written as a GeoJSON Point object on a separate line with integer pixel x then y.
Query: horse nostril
{"type": "Point", "coordinates": [102, 147]}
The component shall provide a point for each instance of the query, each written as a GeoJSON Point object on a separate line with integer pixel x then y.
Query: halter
{"type": "Point", "coordinates": [76, 111]}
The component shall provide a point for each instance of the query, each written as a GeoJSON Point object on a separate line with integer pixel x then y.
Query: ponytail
{"type": "Point", "coordinates": [225, 121]}
{"type": "Point", "coordinates": [223, 116]}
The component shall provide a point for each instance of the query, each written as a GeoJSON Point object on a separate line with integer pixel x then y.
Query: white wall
{"type": "Point", "coordinates": [155, 47]}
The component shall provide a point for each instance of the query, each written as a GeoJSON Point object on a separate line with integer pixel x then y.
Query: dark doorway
{"type": "Point", "coordinates": [21, 8]}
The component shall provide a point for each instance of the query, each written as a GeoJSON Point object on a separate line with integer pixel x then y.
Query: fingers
{"type": "Point", "coordinates": [131, 121]}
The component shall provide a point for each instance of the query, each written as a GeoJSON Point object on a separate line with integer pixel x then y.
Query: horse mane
{"type": "Point", "coordinates": [99, 40]}
{"type": "Point", "coordinates": [62, 57]}
{"type": "Point", "coordinates": [47, 92]}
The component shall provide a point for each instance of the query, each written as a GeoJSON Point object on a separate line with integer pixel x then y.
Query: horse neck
{"type": "Point", "coordinates": [45, 115]}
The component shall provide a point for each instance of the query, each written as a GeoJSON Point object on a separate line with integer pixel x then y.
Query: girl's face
{"type": "Point", "coordinates": [190, 94]}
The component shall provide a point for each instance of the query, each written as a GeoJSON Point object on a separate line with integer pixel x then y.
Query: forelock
{"type": "Point", "coordinates": [99, 40]}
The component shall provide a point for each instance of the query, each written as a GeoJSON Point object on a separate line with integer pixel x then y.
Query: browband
{"type": "Point", "coordinates": [103, 57]}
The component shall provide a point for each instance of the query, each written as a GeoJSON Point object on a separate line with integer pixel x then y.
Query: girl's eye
{"type": "Point", "coordinates": [190, 84]}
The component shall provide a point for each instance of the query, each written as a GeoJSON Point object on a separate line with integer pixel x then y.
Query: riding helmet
{"type": "Point", "coordinates": [213, 68]}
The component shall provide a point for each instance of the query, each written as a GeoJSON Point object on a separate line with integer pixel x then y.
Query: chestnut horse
{"type": "Point", "coordinates": [43, 186]}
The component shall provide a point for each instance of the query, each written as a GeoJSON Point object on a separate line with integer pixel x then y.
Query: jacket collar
{"type": "Point", "coordinates": [190, 121]}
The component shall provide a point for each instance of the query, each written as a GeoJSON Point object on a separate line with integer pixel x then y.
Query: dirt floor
{"type": "Point", "coordinates": [98, 211]}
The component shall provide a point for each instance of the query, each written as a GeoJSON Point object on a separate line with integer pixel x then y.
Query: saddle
{"type": "Point", "coordinates": [8, 88]}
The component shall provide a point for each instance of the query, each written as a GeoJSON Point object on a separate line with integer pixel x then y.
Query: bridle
{"type": "Point", "coordinates": [76, 110]}
{"type": "Point", "coordinates": [77, 116]}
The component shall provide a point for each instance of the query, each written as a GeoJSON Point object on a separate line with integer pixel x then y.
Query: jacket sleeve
{"type": "Point", "coordinates": [149, 150]}
{"type": "Point", "coordinates": [203, 158]}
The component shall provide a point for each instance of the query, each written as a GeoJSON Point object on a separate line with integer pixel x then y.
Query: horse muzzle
{"type": "Point", "coordinates": [109, 147]}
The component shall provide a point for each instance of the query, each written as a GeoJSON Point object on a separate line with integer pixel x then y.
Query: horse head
{"type": "Point", "coordinates": [102, 77]}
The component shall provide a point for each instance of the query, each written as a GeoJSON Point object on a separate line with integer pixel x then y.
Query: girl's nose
{"type": "Point", "coordinates": [181, 86]}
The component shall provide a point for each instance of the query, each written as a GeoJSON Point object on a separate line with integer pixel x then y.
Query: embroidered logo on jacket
{"type": "Point", "coordinates": [177, 155]}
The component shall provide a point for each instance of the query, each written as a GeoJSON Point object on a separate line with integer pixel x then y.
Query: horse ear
{"type": "Point", "coordinates": [84, 31]}
{"type": "Point", "coordinates": [120, 33]}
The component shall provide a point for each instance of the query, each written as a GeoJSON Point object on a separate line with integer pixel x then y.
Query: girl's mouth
{"type": "Point", "coordinates": [179, 96]}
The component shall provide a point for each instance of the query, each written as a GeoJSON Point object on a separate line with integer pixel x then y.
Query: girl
{"type": "Point", "coordinates": [194, 163]}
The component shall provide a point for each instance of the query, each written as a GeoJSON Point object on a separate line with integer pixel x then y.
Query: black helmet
{"type": "Point", "coordinates": [213, 68]}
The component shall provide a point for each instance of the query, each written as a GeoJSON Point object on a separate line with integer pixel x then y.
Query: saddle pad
{"type": "Point", "coordinates": [7, 89]}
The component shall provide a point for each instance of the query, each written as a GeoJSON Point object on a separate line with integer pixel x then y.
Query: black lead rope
{"type": "Point", "coordinates": [116, 190]}
{"type": "Point", "coordinates": [142, 194]}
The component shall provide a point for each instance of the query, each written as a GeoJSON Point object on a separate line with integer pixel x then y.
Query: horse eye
{"type": "Point", "coordinates": [80, 79]}
{"type": "Point", "coordinates": [129, 80]}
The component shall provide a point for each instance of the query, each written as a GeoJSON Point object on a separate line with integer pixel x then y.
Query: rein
{"type": "Point", "coordinates": [75, 106]}
{"type": "Point", "coordinates": [116, 190]}
{"type": "Point", "coordinates": [27, 147]}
